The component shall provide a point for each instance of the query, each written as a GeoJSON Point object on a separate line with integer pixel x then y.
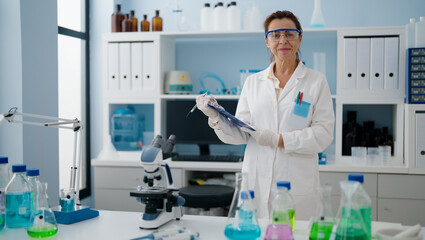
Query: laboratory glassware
{"type": "Point", "coordinates": [282, 213]}
{"type": "Point", "coordinates": [317, 20]}
{"type": "Point", "coordinates": [242, 222]}
{"type": "Point", "coordinates": [4, 179]}
{"type": "Point", "coordinates": [145, 24]}
{"type": "Point", "coordinates": [156, 22]}
{"type": "Point", "coordinates": [350, 223]}
{"type": "Point", "coordinates": [19, 199]}
{"type": "Point", "coordinates": [34, 183]}
{"type": "Point", "coordinates": [67, 200]}
{"type": "Point", "coordinates": [322, 224]}
{"type": "Point", "coordinates": [134, 21]}
{"type": "Point", "coordinates": [45, 224]}
{"type": "Point", "coordinates": [127, 23]}
{"type": "Point", "coordinates": [364, 201]}
{"type": "Point", "coordinates": [116, 19]}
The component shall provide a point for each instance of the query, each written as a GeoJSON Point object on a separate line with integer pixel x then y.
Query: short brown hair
{"type": "Point", "coordinates": [282, 15]}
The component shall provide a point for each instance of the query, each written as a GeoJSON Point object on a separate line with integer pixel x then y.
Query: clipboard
{"type": "Point", "coordinates": [231, 118]}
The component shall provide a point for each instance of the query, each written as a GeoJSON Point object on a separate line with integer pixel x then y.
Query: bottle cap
{"type": "Point", "coordinates": [412, 20]}
{"type": "Point", "coordinates": [19, 168]}
{"type": "Point", "coordinates": [356, 177]}
{"type": "Point", "coordinates": [33, 172]}
{"type": "Point", "coordinates": [422, 18]}
{"type": "Point", "coordinates": [132, 12]}
{"type": "Point", "coordinates": [206, 5]}
{"type": "Point", "coordinates": [118, 7]}
{"type": "Point", "coordinates": [252, 193]}
{"type": "Point", "coordinates": [284, 184]}
{"type": "Point", "coordinates": [157, 12]}
{"type": "Point", "coordinates": [4, 160]}
{"type": "Point", "coordinates": [233, 3]}
{"type": "Point", "coordinates": [220, 4]}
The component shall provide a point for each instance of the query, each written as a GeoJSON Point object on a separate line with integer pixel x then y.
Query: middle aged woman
{"type": "Point", "coordinates": [290, 107]}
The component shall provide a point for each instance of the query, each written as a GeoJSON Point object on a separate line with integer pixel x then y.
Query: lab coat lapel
{"type": "Point", "coordinates": [293, 81]}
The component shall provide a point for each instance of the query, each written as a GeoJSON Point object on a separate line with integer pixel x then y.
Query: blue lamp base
{"type": "Point", "coordinates": [80, 213]}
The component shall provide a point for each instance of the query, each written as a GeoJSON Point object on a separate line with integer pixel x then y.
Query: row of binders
{"type": "Point", "coordinates": [371, 63]}
{"type": "Point", "coordinates": [130, 66]}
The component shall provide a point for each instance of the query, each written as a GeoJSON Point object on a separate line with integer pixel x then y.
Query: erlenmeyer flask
{"type": "Point", "coordinates": [44, 220]}
{"type": "Point", "coordinates": [322, 224]}
{"type": "Point", "coordinates": [317, 20]}
{"type": "Point", "coordinates": [350, 224]}
{"type": "Point", "coordinates": [2, 217]}
{"type": "Point", "coordinates": [67, 200]}
{"type": "Point", "coordinates": [242, 222]}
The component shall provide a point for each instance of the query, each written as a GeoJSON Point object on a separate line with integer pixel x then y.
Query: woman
{"type": "Point", "coordinates": [290, 107]}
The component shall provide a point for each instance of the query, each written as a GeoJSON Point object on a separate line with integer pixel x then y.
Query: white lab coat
{"type": "Point", "coordinates": [297, 162]}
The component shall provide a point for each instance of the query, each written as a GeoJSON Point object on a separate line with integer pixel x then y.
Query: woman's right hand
{"type": "Point", "coordinates": [202, 104]}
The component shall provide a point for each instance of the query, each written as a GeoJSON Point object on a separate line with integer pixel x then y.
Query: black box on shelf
{"type": "Point", "coordinates": [415, 76]}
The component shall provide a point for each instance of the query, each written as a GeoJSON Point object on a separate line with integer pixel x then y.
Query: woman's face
{"type": "Point", "coordinates": [283, 49]}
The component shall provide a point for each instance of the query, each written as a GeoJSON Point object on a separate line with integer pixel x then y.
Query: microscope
{"type": "Point", "coordinates": [157, 194]}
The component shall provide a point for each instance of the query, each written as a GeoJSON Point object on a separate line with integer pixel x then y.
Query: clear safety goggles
{"type": "Point", "coordinates": [288, 33]}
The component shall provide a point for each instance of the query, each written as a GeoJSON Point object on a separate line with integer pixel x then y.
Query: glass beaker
{"type": "Point", "coordinates": [322, 224]}
{"type": "Point", "coordinates": [242, 222]}
{"type": "Point", "coordinates": [44, 220]}
{"type": "Point", "coordinates": [67, 200]}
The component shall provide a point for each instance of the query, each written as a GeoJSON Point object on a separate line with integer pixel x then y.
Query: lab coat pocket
{"type": "Point", "coordinates": [298, 119]}
{"type": "Point", "coordinates": [301, 173]}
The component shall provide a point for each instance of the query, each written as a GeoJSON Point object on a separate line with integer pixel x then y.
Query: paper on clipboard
{"type": "Point", "coordinates": [231, 118]}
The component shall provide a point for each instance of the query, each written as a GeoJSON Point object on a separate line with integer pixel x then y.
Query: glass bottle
{"type": "Point", "coordinates": [351, 132]}
{"type": "Point", "coordinates": [157, 22]}
{"type": "Point", "coordinates": [45, 224]}
{"type": "Point", "coordinates": [34, 182]}
{"type": "Point", "coordinates": [4, 180]}
{"type": "Point", "coordinates": [322, 224]}
{"type": "Point", "coordinates": [134, 22]}
{"type": "Point", "coordinates": [116, 19]}
{"type": "Point", "coordinates": [242, 222]}
{"type": "Point", "coordinates": [127, 24]}
{"type": "Point", "coordinates": [19, 199]}
{"type": "Point", "coordinates": [145, 24]}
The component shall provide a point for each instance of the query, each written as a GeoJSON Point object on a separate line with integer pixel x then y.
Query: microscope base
{"type": "Point", "coordinates": [80, 213]}
{"type": "Point", "coordinates": [154, 222]}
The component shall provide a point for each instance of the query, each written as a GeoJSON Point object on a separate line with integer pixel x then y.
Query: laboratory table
{"type": "Point", "coordinates": [124, 225]}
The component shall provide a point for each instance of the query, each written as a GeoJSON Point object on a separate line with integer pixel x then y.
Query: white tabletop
{"type": "Point", "coordinates": [124, 225]}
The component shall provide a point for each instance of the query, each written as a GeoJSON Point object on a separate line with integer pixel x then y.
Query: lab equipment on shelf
{"type": "Point", "coordinates": [420, 33]}
{"type": "Point", "coordinates": [206, 18]}
{"type": "Point", "coordinates": [322, 224]}
{"type": "Point", "coordinates": [127, 23]}
{"type": "Point", "coordinates": [157, 22]}
{"type": "Point", "coordinates": [126, 130]}
{"type": "Point", "coordinates": [219, 17]}
{"type": "Point", "coordinates": [157, 195]}
{"type": "Point", "coordinates": [116, 19]}
{"type": "Point", "coordinates": [178, 82]}
{"type": "Point", "coordinates": [410, 33]}
{"type": "Point", "coordinates": [45, 224]}
{"type": "Point", "coordinates": [242, 222]}
{"type": "Point", "coordinates": [415, 76]}
{"type": "Point", "coordinates": [19, 199]}
{"type": "Point", "coordinates": [134, 22]}
{"type": "Point", "coordinates": [145, 24]}
{"type": "Point", "coordinates": [233, 17]}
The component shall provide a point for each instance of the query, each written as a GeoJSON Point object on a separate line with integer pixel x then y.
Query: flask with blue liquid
{"type": "Point", "coordinates": [4, 180]}
{"type": "Point", "coordinates": [242, 222]}
{"type": "Point", "coordinates": [19, 199]}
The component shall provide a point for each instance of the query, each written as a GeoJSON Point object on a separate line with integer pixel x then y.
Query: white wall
{"type": "Point", "coordinates": [28, 80]}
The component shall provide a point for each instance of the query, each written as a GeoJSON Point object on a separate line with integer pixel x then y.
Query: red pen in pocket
{"type": "Point", "coordinates": [301, 97]}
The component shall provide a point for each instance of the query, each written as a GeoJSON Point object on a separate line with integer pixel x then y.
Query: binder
{"type": "Point", "coordinates": [349, 78]}
{"type": "Point", "coordinates": [125, 67]}
{"type": "Point", "coordinates": [113, 66]}
{"type": "Point", "coordinates": [136, 66]}
{"type": "Point", "coordinates": [420, 140]}
{"type": "Point", "coordinates": [363, 63]}
{"type": "Point", "coordinates": [148, 59]}
{"type": "Point", "coordinates": [391, 63]}
{"type": "Point", "coordinates": [377, 63]}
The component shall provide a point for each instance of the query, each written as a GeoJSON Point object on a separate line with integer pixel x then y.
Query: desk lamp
{"type": "Point", "coordinates": [69, 211]}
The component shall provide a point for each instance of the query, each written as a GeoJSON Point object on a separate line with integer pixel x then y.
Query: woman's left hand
{"type": "Point", "coordinates": [264, 137]}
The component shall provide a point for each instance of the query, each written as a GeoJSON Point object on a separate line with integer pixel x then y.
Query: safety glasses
{"type": "Point", "coordinates": [289, 34]}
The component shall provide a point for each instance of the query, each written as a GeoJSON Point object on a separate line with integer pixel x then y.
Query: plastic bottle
{"type": "Point", "coordinates": [4, 180]}
{"type": "Point", "coordinates": [283, 205]}
{"type": "Point", "coordinates": [219, 16]}
{"type": "Point", "coordinates": [253, 19]}
{"type": "Point", "coordinates": [34, 182]}
{"type": "Point", "coordinates": [116, 19]}
{"type": "Point", "coordinates": [242, 222]}
{"type": "Point", "coordinates": [134, 22]}
{"type": "Point", "coordinates": [233, 17]}
{"type": "Point", "coordinates": [206, 18]}
{"type": "Point", "coordinates": [420, 32]}
{"type": "Point", "coordinates": [19, 199]}
{"type": "Point", "coordinates": [145, 24]}
{"type": "Point", "coordinates": [365, 204]}
{"type": "Point", "coordinates": [410, 33]}
{"type": "Point", "coordinates": [157, 22]}
{"type": "Point", "coordinates": [127, 24]}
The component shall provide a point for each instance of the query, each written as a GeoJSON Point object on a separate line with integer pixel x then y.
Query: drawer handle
{"type": "Point", "coordinates": [391, 74]}
{"type": "Point", "coordinates": [363, 74]}
{"type": "Point", "coordinates": [349, 75]}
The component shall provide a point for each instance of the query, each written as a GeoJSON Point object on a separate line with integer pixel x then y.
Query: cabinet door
{"type": "Point", "coordinates": [148, 58]}
{"type": "Point", "coordinates": [391, 63]}
{"type": "Point", "coordinates": [136, 66]}
{"type": "Point", "coordinates": [363, 63]}
{"type": "Point", "coordinates": [420, 140]}
{"type": "Point", "coordinates": [113, 66]}
{"type": "Point", "coordinates": [349, 80]}
{"type": "Point", "coordinates": [125, 67]}
{"type": "Point", "coordinates": [377, 63]}
{"type": "Point", "coordinates": [405, 211]}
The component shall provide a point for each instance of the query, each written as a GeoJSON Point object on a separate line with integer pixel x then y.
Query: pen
{"type": "Point", "coordinates": [298, 97]}
{"type": "Point", "coordinates": [301, 97]}
{"type": "Point", "coordinates": [194, 107]}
